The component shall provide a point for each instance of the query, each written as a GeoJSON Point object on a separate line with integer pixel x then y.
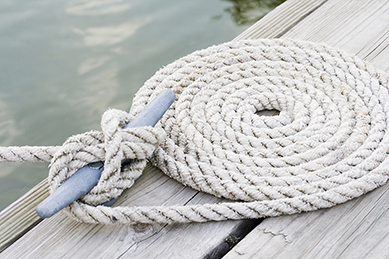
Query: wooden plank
{"type": "Point", "coordinates": [356, 229]}
{"type": "Point", "coordinates": [359, 228]}
{"type": "Point", "coordinates": [20, 216]}
{"type": "Point", "coordinates": [67, 238]}
{"type": "Point", "coordinates": [280, 20]}
{"type": "Point", "coordinates": [209, 239]}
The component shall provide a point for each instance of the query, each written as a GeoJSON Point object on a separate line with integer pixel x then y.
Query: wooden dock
{"type": "Point", "coordinates": [356, 229]}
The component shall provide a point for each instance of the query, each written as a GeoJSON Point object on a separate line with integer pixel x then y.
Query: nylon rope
{"type": "Point", "coordinates": [328, 144]}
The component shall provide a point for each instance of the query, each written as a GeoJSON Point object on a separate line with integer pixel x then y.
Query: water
{"type": "Point", "coordinates": [63, 63]}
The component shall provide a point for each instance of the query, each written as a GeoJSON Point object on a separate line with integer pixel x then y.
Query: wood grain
{"type": "Point", "coordinates": [282, 19]}
{"type": "Point", "coordinates": [20, 216]}
{"type": "Point", "coordinates": [60, 236]}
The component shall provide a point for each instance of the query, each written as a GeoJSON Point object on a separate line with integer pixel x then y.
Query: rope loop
{"type": "Point", "coordinates": [328, 144]}
{"type": "Point", "coordinates": [111, 145]}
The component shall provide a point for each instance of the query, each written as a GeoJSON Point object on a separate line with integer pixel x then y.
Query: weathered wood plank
{"type": "Point", "coordinates": [67, 238]}
{"type": "Point", "coordinates": [20, 216]}
{"type": "Point", "coordinates": [283, 18]}
{"type": "Point", "coordinates": [153, 188]}
{"type": "Point", "coordinates": [359, 228]}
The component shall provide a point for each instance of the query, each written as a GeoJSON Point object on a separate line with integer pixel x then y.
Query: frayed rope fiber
{"type": "Point", "coordinates": [329, 143]}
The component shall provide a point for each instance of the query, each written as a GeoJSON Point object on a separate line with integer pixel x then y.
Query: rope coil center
{"type": "Point", "coordinates": [328, 144]}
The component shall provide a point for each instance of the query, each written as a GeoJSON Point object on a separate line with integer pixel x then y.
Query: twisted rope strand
{"type": "Point", "coordinates": [27, 154]}
{"type": "Point", "coordinates": [329, 143]}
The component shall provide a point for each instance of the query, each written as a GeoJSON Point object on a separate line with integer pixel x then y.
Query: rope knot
{"type": "Point", "coordinates": [329, 143]}
{"type": "Point", "coordinates": [114, 145]}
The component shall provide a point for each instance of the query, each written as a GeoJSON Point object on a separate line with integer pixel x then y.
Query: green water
{"type": "Point", "coordinates": [63, 63]}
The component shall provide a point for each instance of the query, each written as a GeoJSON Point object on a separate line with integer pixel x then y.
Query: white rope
{"type": "Point", "coordinates": [329, 143]}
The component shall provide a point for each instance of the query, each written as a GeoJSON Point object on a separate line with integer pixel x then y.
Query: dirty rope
{"type": "Point", "coordinates": [329, 143]}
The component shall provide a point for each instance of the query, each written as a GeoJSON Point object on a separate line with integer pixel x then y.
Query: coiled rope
{"type": "Point", "coordinates": [329, 143]}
